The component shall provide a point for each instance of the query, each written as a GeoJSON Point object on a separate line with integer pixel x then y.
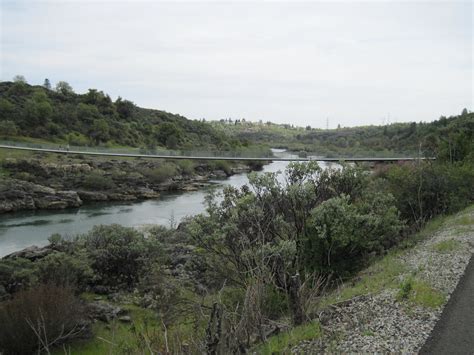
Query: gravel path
{"type": "Point", "coordinates": [454, 332]}
{"type": "Point", "coordinates": [382, 323]}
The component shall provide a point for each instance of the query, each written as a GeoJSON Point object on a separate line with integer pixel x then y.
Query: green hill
{"type": "Point", "coordinates": [94, 119]}
{"type": "Point", "coordinates": [450, 138]}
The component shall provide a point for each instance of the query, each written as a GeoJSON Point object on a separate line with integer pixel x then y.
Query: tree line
{"type": "Point", "coordinates": [94, 118]}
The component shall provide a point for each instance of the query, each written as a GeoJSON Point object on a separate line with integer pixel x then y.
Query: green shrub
{"type": "Point", "coordinates": [64, 270]}
{"type": "Point", "coordinates": [186, 166]}
{"type": "Point", "coordinates": [160, 174]}
{"type": "Point", "coordinates": [426, 190]}
{"type": "Point", "coordinates": [52, 311]}
{"type": "Point", "coordinates": [274, 303]}
{"type": "Point", "coordinates": [222, 165]}
{"type": "Point", "coordinates": [341, 234]}
{"type": "Point", "coordinates": [78, 139]}
{"type": "Point", "coordinates": [119, 255]}
{"type": "Point", "coordinates": [97, 181]}
{"type": "Point", "coordinates": [16, 274]}
{"type": "Point", "coordinates": [406, 288]}
{"type": "Point", "coordinates": [8, 128]}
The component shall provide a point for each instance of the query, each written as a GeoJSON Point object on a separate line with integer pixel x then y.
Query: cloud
{"type": "Point", "coordinates": [354, 62]}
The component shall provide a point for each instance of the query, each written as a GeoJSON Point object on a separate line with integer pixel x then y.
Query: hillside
{"type": "Point", "coordinates": [94, 119]}
{"type": "Point", "coordinates": [449, 138]}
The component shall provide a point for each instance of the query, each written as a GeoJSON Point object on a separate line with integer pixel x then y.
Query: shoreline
{"type": "Point", "coordinates": [39, 185]}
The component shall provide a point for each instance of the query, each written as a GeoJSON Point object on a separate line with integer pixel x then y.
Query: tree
{"type": "Point", "coordinates": [6, 109]}
{"type": "Point", "coordinates": [8, 128]}
{"type": "Point", "coordinates": [100, 131]}
{"type": "Point", "coordinates": [38, 108]}
{"type": "Point", "coordinates": [87, 113]}
{"type": "Point", "coordinates": [464, 112]}
{"type": "Point", "coordinates": [166, 130]}
{"type": "Point", "coordinates": [47, 84]}
{"type": "Point", "coordinates": [64, 88]}
{"type": "Point", "coordinates": [19, 79]}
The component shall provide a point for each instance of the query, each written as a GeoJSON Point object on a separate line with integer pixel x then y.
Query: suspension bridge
{"type": "Point", "coordinates": [215, 156]}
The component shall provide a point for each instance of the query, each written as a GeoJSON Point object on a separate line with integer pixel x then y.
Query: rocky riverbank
{"type": "Point", "coordinates": [32, 184]}
{"type": "Point", "coordinates": [399, 319]}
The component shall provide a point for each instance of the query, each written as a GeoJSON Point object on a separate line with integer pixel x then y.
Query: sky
{"type": "Point", "coordinates": [303, 63]}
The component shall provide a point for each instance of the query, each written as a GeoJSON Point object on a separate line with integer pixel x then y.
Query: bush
{"type": "Point", "coordinates": [426, 190]}
{"type": "Point", "coordinates": [53, 312]}
{"type": "Point", "coordinates": [16, 274]}
{"type": "Point", "coordinates": [8, 128]}
{"type": "Point", "coordinates": [119, 255]}
{"type": "Point", "coordinates": [186, 166]}
{"type": "Point", "coordinates": [221, 165]}
{"type": "Point", "coordinates": [160, 174]}
{"type": "Point", "coordinates": [64, 270]}
{"type": "Point", "coordinates": [78, 139]}
{"type": "Point", "coordinates": [97, 181]}
{"type": "Point", "coordinates": [341, 234]}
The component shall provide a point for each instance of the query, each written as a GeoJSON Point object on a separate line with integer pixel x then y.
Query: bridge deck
{"type": "Point", "coordinates": [158, 156]}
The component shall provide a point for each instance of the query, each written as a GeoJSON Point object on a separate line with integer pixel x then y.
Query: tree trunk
{"type": "Point", "coordinates": [214, 330]}
{"type": "Point", "coordinates": [295, 299]}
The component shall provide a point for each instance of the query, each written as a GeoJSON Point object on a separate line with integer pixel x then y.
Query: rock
{"type": "Point", "coordinates": [23, 195]}
{"type": "Point", "coordinates": [189, 188]}
{"type": "Point", "coordinates": [103, 311]}
{"type": "Point", "coordinates": [101, 290]}
{"type": "Point", "coordinates": [219, 174]}
{"type": "Point", "coordinates": [92, 196]}
{"type": "Point", "coordinates": [125, 319]}
{"type": "Point", "coordinates": [146, 193]}
{"type": "Point", "coordinates": [31, 253]}
{"type": "Point", "coordinates": [121, 197]}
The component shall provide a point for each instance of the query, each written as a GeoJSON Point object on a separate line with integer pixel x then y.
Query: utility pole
{"type": "Point", "coordinates": [327, 123]}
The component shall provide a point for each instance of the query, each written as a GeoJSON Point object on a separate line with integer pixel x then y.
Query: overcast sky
{"type": "Point", "coordinates": [352, 62]}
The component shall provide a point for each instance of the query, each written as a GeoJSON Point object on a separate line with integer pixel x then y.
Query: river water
{"type": "Point", "coordinates": [22, 229]}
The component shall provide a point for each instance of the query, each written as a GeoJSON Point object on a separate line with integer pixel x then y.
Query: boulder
{"type": "Point", "coordinates": [92, 196]}
{"type": "Point", "coordinates": [23, 195]}
{"type": "Point", "coordinates": [103, 311]}
{"type": "Point", "coordinates": [31, 253]}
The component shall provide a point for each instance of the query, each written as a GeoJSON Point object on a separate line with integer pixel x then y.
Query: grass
{"type": "Point", "coordinates": [145, 332]}
{"type": "Point", "coordinates": [116, 336]}
{"type": "Point", "coordinates": [430, 228]}
{"type": "Point", "coordinates": [420, 293]}
{"type": "Point", "coordinates": [368, 333]}
{"type": "Point", "coordinates": [447, 246]}
{"type": "Point", "coordinates": [283, 342]}
{"type": "Point", "coordinates": [384, 273]}
{"type": "Point", "coordinates": [424, 295]}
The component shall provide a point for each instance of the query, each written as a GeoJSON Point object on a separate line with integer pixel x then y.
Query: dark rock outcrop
{"type": "Point", "coordinates": [31, 253]}
{"type": "Point", "coordinates": [103, 311]}
{"type": "Point", "coordinates": [23, 195]}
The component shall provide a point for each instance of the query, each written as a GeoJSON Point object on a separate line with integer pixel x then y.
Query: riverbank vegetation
{"type": "Point", "coordinates": [259, 263]}
{"type": "Point", "coordinates": [255, 271]}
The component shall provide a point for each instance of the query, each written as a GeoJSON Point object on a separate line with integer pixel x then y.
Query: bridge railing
{"type": "Point", "coordinates": [247, 153]}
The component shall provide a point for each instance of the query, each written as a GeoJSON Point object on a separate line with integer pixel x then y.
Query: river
{"type": "Point", "coordinates": [22, 229]}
